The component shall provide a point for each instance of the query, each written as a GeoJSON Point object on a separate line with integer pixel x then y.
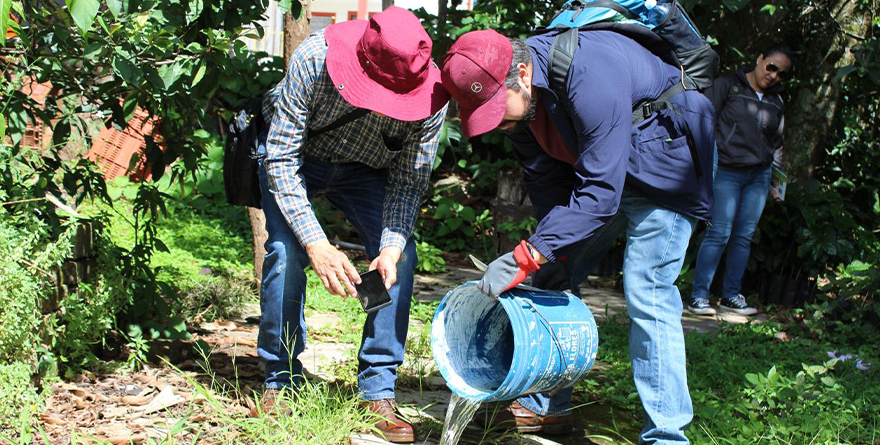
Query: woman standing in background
{"type": "Point", "coordinates": [749, 124]}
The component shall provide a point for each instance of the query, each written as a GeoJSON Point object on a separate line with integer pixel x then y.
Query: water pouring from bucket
{"type": "Point", "coordinates": [527, 341]}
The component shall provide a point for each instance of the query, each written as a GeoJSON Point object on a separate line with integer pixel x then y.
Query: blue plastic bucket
{"type": "Point", "coordinates": [526, 342]}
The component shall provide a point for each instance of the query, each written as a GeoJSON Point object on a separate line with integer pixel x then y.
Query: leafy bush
{"type": "Point", "coordinates": [21, 291]}
{"type": "Point", "coordinates": [21, 400]}
{"type": "Point", "coordinates": [430, 258]}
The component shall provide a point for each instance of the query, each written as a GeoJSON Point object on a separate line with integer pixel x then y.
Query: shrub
{"type": "Point", "coordinates": [430, 258]}
{"type": "Point", "coordinates": [21, 290]}
{"type": "Point", "coordinates": [21, 401]}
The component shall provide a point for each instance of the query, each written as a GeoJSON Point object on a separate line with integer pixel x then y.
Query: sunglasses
{"type": "Point", "coordinates": [772, 68]}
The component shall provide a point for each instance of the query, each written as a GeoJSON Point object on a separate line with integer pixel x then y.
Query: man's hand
{"type": "Point", "coordinates": [386, 262]}
{"type": "Point", "coordinates": [508, 270]}
{"type": "Point", "coordinates": [333, 268]}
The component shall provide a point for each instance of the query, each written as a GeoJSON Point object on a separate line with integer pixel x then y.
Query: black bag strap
{"type": "Point", "coordinates": [342, 120]}
{"type": "Point", "coordinates": [643, 111]}
{"type": "Point", "coordinates": [561, 55]}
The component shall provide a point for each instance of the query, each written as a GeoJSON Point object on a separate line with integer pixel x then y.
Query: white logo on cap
{"type": "Point", "coordinates": [476, 87]}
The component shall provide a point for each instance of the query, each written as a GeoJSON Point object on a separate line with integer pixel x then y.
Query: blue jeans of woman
{"type": "Point", "coordinates": [358, 191]}
{"type": "Point", "coordinates": [740, 196]}
{"type": "Point", "coordinates": [656, 242]}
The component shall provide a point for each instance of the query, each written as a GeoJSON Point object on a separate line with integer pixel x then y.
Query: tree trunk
{"type": "Point", "coordinates": [441, 14]}
{"type": "Point", "coordinates": [295, 31]}
{"type": "Point", "coordinates": [258, 228]}
{"type": "Point", "coordinates": [510, 207]}
{"type": "Point", "coordinates": [387, 4]}
{"type": "Point", "coordinates": [814, 108]}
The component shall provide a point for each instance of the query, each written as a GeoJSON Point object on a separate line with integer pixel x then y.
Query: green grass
{"type": "Point", "coordinates": [750, 387]}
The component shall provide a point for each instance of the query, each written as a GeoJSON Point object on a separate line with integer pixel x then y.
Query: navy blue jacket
{"type": "Point", "coordinates": [609, 74]}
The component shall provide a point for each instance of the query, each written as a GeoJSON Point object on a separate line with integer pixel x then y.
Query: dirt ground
{"type": "Point", "coordinates": [180, 393]}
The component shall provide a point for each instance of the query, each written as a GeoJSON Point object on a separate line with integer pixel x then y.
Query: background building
{"type": "Point", "coordinates": [324, 13]}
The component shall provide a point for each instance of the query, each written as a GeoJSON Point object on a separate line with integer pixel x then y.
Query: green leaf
{"type": "Point", "coordinates": [194, 10]}
{"type": "Point", "coordinates": [769, 8]}
{"type": "Point", "coordinates": [126, 70]}
{"type": "Point", "coordinates": [115, 7]}
{"type": "Point", "coordinates": [201, 133]}
{"type": "Point", "coordinates": [83, 12]}
{"type": "Point", "coordinates": [2, 124]}
{"type": "Point", "coordinates": [129, 106]}
{"type": "Point", "coordinates": [467, 214]}
{"type": "Point", "coordinates": [5, 6]}
{"type": "Point", "coordinates": [61, 133]}
{"type": "Point", "coordinates": [170, 74]}
{"type": "Point", "coordinates": [753, 379]}
{"type": "Point", "coordinates": [200, 73]}
{"type": "Point", "coordinates": [92, 50]}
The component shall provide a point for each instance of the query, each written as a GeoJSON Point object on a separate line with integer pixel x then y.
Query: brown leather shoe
{"type": "Point", "coordinates": [391, 427]}
{"type": "Point", "coordinates": [267, 404]}
{"type": "Point", "coordinates": [524, 420]}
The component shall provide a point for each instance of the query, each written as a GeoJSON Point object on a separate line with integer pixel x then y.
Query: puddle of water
{"type": "Point", "coordinates": [458, 415]}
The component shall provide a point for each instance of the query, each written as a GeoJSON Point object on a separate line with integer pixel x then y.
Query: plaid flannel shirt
{"type": "Point", "coordinates": [307, 99]}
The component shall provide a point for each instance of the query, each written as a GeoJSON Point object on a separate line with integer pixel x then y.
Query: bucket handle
{"type": "Point", "coordinates": [566, 378]}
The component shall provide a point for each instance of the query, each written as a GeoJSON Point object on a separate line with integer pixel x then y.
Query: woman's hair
{"type": "Point", "coordinates": [521, 54]}
{"type": "Point", "coordinates": [779, 48]}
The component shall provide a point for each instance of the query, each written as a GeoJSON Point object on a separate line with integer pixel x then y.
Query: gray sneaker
{"type": "Point", "coordinates": [700, 306]}
{"type": "Point", "coordinates": [737, 304]}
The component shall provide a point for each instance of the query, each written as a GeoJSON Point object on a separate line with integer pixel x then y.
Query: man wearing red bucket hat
{"type": "Point", "coordinates": [593, 173]}
{"type": "Point", "coordinates": [373, 165]}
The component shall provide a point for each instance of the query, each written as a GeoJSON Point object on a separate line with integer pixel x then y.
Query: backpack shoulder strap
{"type": "Point", "coordinates": [342, 120]}
{"type": "Point", "coordinates": [561, 55]}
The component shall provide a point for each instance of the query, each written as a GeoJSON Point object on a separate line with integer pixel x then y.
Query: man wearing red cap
{"type": "Point", "coordinates": [592, 173]}
{"type": "Point", "coordinates": [374, 169]}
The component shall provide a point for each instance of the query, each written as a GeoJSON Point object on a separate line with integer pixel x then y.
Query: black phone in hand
{"type": "Point", "coordinates": [372, 292]}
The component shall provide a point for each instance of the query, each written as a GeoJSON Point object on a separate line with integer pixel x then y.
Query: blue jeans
{"type": "Point", "coordinates": [740, 196]}
{"type": "Point", "coordinates": [358, 191]}
{"type": "Point", "coordinates": [656, 242]}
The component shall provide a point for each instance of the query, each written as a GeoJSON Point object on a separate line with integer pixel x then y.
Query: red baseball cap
{"type": "Point", "coordinates": [473, 72]}
{"type": "Point", "coordinates": [384, 65]}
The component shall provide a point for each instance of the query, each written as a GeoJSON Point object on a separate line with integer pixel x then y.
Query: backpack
{"type": "Point", "coordinates": [240, 179]}
{"type": "Point", "coordinates": [240, 167]}
{"type": "Point", "coordinates": [661, 26]}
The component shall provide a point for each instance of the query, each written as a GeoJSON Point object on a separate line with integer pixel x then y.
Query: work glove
{"type": "Point", "coordinates": [507, 271]}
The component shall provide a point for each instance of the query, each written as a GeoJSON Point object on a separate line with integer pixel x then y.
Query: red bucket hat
{"type": "Point", "coordinates": [474, 71]}
{"type": "Point", "coordinates": [385, 65]}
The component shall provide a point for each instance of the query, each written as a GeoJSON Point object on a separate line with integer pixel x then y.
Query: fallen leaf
{"type": "Point", "coordinates": [141, 422]}
{"type": "Point", "coordinates": [226, 325]}
{"type": "Point", "coordinates": [53, 420]}
{"type": "Point", "coordinates": [136, 400]}
{"type": "Point", "coordinates": [149, 380]}
{"type": "Point", "coordinates": [85, 377]}
{"type": "Point", "coordinates": [199, 418]}
{"type": "Point", "coordinates": [63, 386]}
{"type": "Point", "coordinates": [114, 411]}
{"type": "Point", "coordinates": [165, 399]}
{"type": "Point", "coordinates": [78, 402]}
